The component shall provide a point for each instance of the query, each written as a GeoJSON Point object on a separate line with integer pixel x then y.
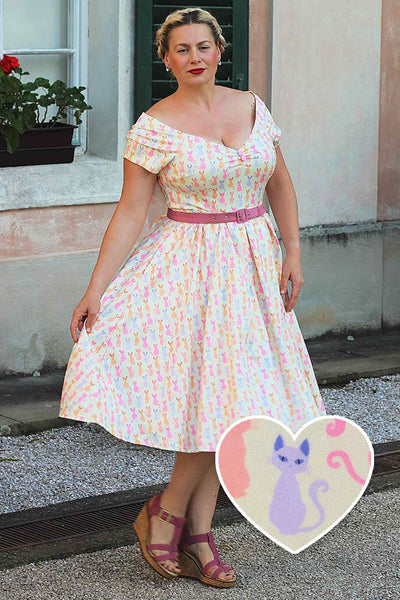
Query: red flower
{"type": "Point", "coordinates": [9, 63]}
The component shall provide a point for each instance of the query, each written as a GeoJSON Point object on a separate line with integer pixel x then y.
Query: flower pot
{"type": "Point", "coordinates": [40, 145]}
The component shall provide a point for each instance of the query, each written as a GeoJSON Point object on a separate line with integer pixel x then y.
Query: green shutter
{"type": "Point", "coordinates": [151, 79]}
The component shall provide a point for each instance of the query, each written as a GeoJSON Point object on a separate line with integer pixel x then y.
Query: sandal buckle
{"type": "Point", "coordinates": [164, 515]}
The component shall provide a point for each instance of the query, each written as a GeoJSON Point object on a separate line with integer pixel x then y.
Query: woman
{"type": "Point", "coordinates": [192, 333]}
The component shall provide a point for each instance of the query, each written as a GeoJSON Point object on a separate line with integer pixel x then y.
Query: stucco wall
{"type": "Point", "coordinates": [325, 98]}
{"type": "Point", "coordinates": [389, 126]}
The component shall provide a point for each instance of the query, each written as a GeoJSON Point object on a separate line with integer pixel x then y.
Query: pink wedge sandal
{"type": "Point", "coordinates": [191, 565]}
{"type": "Point", "coordinates": [142, 529]}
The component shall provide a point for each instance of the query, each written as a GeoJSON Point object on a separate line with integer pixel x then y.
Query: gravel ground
{"type": "Point", "coordinates": [85, 460]}
{"type": "Point", "coordinates": [357, 560]}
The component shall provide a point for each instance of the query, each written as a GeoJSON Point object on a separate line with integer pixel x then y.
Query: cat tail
{"type": "Point", "coordinates": [318, 483]}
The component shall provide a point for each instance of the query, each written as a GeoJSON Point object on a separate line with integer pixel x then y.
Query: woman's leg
{"type": "Point", "coordinates": [199, 516]}
{"type": "Point", "coordinates": [189, 469]}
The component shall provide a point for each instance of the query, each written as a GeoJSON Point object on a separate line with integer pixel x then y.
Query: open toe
{"type": "Point", "coordinates": [192, 567]}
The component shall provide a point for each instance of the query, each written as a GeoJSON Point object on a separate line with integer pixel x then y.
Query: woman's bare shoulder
{"type": "Point", "coordinates": [232, 93]}
{"type": "Point", "coordinates": [160, 108]}
{"type": "Point", "coordinates": [236, 100]}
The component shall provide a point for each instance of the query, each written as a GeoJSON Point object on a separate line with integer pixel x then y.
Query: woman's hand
{"type": "Point", "coordinates": [291, 269]}
{"type": "Point", "coordinates": [85, 311]}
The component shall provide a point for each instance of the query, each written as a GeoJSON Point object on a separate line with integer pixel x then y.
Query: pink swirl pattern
{"type": "Point", "coordinates": [347, 462]}
{"type": "Point", "coordinates": [336, 428]}
{"type": "Point", "coordinates": [232, 457]}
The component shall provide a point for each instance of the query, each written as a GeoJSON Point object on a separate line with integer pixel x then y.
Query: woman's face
{"type": "Point", "coordinates": [192, 46]}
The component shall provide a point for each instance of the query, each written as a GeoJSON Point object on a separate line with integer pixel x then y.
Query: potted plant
{"type": "Point", "coordinates": [24, 138]}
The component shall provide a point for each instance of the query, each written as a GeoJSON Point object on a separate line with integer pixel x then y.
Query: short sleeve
{"type": "Point", "coordinates": [147, 147]}
{"type": "Point", "coordinates": [273, 128]}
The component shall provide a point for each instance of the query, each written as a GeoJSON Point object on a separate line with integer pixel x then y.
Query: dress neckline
{"type": "Point", "coordinates": [193, 135]}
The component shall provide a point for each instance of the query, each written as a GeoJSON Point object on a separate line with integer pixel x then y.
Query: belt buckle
{"type": "Point", "coordinates": [245, 212]}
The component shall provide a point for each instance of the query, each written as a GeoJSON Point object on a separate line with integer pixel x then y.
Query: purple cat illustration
{"type": "Point", "coordinates": [287, 510]}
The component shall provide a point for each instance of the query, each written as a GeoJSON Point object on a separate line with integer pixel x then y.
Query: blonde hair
{"type": "Point", "coordinates": [188, 16]}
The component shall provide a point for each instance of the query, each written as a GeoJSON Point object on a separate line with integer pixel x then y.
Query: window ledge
{"type": "Point", "coordinates": [89, 179]}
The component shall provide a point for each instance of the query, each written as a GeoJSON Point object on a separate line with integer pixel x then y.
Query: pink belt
{"type": "Point", "coordinates": [241, 215]}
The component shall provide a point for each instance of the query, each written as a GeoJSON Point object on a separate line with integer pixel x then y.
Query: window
{"type": "Point", "coordinates": [152, 82]}
{"type": "Point", "coordinates": [54, 47]}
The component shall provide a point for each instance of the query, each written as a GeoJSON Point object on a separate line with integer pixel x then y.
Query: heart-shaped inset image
{"type": "Point", "coordinates": [294, 488]}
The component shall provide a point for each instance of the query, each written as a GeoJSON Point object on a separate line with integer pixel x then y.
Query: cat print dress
{"type": "Point", "coordinates": [192, 333]}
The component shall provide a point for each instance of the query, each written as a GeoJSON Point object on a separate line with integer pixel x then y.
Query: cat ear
{"type": "Point", "coordinates": [305, 447]}
{"type": "Point", "coordinates": [278, 442]}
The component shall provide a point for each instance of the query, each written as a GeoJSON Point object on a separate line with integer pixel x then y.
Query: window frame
{"type": "Point", "coordinates": [77, 59]}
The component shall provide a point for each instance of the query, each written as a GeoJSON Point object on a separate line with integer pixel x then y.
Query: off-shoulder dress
{"type": "Point", "coordinates": [192, 333]}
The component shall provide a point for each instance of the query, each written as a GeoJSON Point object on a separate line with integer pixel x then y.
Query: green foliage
{"type": "Point", "coordinates": [20, 103]}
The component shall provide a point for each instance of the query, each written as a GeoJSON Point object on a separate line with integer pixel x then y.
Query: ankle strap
{"type": "Point", "coordinates": [163, 514]}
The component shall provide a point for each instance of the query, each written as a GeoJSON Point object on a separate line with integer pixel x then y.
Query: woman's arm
{"type": "Point", "coordinates": [121, 234]}
{"type": "Point", "coordinates": [125, 226]}
{"type": "Point", "coordinates": [283, 202]}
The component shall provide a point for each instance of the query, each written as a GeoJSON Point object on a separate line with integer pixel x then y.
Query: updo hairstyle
{"type": "Point", "coordinates": [188, 16]}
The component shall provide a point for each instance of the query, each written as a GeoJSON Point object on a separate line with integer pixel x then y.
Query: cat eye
{"type": "Point", "coordinates": [298, 461]}
{"type": "Point", "coordinates": [282, 458]}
